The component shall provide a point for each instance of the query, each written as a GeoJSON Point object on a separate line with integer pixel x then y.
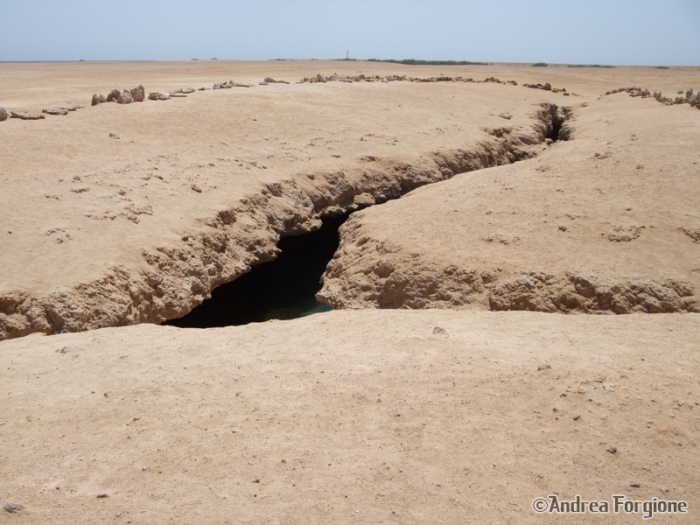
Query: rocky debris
{"type": "Point", "coordinates": [230, 84]}
{"type": "Point", "coordinates": [159, 96]}
{"type": "Point", "coordinates": [269, 80]}
{"type": "Point", "coordinates": [548, 87]}
{"type": "Point", "coordinates": [13, 508]}
{"type": "Point", "coordinates": [113, 95]}
{"type": "Point", "coordinates": [3, 114]}
{"type": "Point", "coordinates": [138, 94]}
{"type": "Point", "coordinates": [403, 78]}
{"type": "Point", "coordinates": [125, 98]}
{"type": "Point", "coordinates": [55, 111]}
{"type": "Point", "coordinates": [634, 91]}
{"type": "Point", "coordinates": [625, 234]}
{"type": "Point", "coordinates": [25, 115]}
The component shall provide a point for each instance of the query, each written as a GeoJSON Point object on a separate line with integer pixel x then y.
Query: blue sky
{"type": "Point", "coordinates": [642, 32]}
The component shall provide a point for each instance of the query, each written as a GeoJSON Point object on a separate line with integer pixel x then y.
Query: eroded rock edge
{"type": "Point", "coordinates": [178, 279]}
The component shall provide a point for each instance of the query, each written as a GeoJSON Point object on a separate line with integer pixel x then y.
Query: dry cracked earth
{"type": "Point", "coordinates": [514, 294]}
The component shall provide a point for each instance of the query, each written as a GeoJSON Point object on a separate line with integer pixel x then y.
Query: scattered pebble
{"type": "Point", "coordinates": [612, 450]}
{"type": "Point", "coordinates": [635, 485]}
{"type": "Point", "coordinates": [102, 496]}
{"type": "Point", "coordinates": [13, 507]}
{"type": "Point", "coordinates": [576, 418]}
{"type": "Point", "coordinates": [543, 367]}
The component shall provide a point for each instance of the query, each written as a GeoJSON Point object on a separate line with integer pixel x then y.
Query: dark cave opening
{"type": "Point", "coordinates": [281, 289]}
{"type": "Point", "coordinates": [557, 127]}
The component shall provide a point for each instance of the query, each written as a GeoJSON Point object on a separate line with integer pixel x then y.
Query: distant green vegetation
{"type": "Point", "coordinates": [540, 64]}
{"type": "Point", "coordinates": [662, 67]}
{"type": "Point", "coordinates": [414, 62]}
{"type": "Point", "coordinates": [591, 65]}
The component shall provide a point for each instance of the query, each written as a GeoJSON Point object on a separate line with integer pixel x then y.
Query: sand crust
{"type": "Point", "coordinates": [448, 414]}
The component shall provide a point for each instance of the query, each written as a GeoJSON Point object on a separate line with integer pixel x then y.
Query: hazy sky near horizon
{"type": "Point", "coordinates": [622, 32]}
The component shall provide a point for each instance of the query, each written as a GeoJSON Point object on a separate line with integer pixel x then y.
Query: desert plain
{"type": "Point", "coordinates": [515, 293]}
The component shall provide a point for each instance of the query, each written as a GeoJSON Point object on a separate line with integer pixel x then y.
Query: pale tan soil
{"type": "Point", "coordinates": [183, 426]}
{"type": "Point", "coordinates": [86, 217]}
{"type": "Point", "coordinates": [348, 417]}
{"type": "Point", "coordinates": [115, 212]}
{"type": "Point", "coordinates": [606, 222]}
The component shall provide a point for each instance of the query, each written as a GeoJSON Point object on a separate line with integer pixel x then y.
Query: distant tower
{"type": "Point", "coordinates": [347, 55]}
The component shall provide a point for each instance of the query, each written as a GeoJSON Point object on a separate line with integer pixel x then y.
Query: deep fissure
{"type": "Point", "coordinates": [286, 287]}
{"type": "Point", "coordinates": [157, 293]}
{"type": "Point", "coordinates": [281, 289]}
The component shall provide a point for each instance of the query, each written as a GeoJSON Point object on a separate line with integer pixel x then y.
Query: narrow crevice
{"type": "Point", "coordinates": [281, 289]}
{"type": "Point", "coordinates": [556, 120]}
{"type": "Point", "coordinates": [243, 239]}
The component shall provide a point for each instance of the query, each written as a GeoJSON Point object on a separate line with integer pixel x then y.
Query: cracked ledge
{"type": "Point", "coordinates": [179, 279]}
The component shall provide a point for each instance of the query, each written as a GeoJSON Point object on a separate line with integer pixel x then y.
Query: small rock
{"type": "Point", "coordinates": [609, 387]}
{"type": "Point", "coordinates": [543, 367]}
{"type": "Point", "coordinates": [113, 136]}
{"type": "Point", "coordinates": [576, 418]}
{"type": "Point", "coordinates": [24, 115]}
{"type": "Point", "coordinates": [563, 228]}
{"type": "Point", "coordinates": [13, 507]}
{"type": "Point", "coordinates": [3, 114]}
{"type": "Point", "coordinates": [113, 95]}
{"type": "Point", "coordinates": [96, 99]}
{"type": "Point", "coordinates": [612, 450]}
{"type": "Point", "coordinates": [196, 188]}
{"type": "Point", "coordinates": [102, 496]}
{"type": "Point", "coordinates": [506, 116]}
{"type": "Point", "coordinates": [138, 94]}
{"type": "Point", "coordinates": [635, 485]}
{"type": "Point", "coordinates": [439, 331]}
{"type": "Point", "coordinates": [125, 98]}
{"type": "Point", "coordinates": [55, 111]}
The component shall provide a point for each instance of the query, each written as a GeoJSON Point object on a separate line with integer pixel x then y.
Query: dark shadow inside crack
{"type": "Point", "coordinates": [282, 289]}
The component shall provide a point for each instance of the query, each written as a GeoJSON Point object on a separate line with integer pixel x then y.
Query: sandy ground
{"type": "Point", "coordinates": [352, 417]}
{"type": "Point", "coordinates": [372, 416]}
{"type": "Point", "coordinates": [615, 208]}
